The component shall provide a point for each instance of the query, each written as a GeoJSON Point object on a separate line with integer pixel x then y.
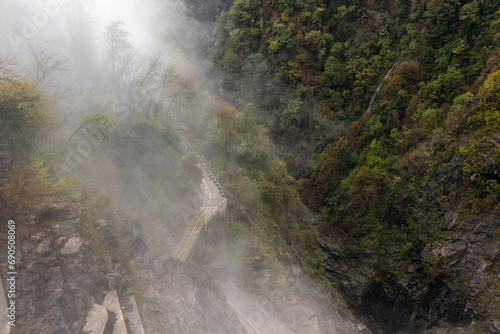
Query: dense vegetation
{"type": "Point", "coordinates": [383, 179]}
{"type": "Point", "coordinates": [301, 62]}
{"type": "Point", "coordinates": [20, 121]}
{"type": "Point", "coordinates": [259, 184]}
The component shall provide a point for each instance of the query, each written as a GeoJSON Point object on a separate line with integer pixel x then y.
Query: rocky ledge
{"type": "Point", "coordinates": [66, 284]}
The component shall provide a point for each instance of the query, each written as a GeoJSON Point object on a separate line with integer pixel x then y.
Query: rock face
{"type": "Point", "coordinates": [59, 276]}
{"type": "Point", "coordinates": [112, 304]}
{"type": "Point", "coordinates": [178, 297]}
{"type": "Point", "coordinates": [97, 320]}
{"type": "Point", "coordinates": [185, 299]}
{"type": "Point", "coordinates": [465, 287]}
{"type": "Point", "coordinates": [450, 271]}
{"type": "Point", "coordinates": [66, 285]}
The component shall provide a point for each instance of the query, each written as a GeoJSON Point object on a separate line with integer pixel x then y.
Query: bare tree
{"type": "Point", "coordinates": [154, 90]}
{"type": "Point", "coordinates": [173, 89]}
{"type": "Point", "coordinates": [7, 63]}
{"type": "Point", "coordinates": [121, 56]}
{"type": "Point", "coordinates": [46, 68]}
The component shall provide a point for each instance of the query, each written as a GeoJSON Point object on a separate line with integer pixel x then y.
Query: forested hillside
{"type": "Point", "coordinates": [405, 176]}
{"type": "Point", "coordinates": [357, 144]}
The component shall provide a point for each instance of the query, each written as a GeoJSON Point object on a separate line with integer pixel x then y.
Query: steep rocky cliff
{"type": "Point", "coordinates": [453, 280]}
{"type": "Point", "coordinates": [66, 270]}
{"type": "Point", "coordinates": [452, 273]}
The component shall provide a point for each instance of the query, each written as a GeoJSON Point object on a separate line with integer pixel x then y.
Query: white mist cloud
{"type": "Point", "coordinates": [47, 20]}
{"type": "Point", "coordinates": [139, 18]}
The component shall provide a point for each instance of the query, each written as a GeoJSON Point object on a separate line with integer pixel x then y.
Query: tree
{"type": "Point", "coordinates": [21, 117]}
{"type": "Point", "coordinates": [153, 90]}
{"type": "Point", "coordinates": [6, 65]}
{"type": "Point", "coordinates": [45, 70]}
{"type": "Point", "coordinates": [335, 164]}
{"type": "Point", "coordinates": [120, 53]}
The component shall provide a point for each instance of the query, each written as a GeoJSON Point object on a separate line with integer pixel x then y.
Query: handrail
{"type": "Point", "coordinates": [221, 207]}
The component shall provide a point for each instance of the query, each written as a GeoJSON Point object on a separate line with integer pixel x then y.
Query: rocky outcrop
{"type": "Point", "coordinates": [70, 284]}
{"type": "Point", "coordinates": [353, 271]}
{"type": "Point", "coordinates": [61, 277]}
{"type": "Point", "coordinates": [454, 280]}
{"type": "Point", "coordinates": [182, 298]}
{"type": "Point", "coordinates": [175, 297]}
{"type": "Point", "coordinates": [98, 321]}
{"type": "Point", "coordinates": [107, 318]}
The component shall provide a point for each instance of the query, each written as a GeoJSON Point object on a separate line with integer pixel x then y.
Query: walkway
{"type": "Point", "coordinates": [254, 317]}
{"type": "Point", "coordinates": [213, 202]}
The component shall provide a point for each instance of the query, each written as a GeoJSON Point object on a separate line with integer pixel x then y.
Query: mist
{"type": "Point", "coordinates": [63, 47]}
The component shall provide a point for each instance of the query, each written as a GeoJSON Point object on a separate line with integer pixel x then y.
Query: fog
{"type": "Point", "coordinates": [132, 72]}
{"type": "Point", "coordinates": [49, 21]}
{"type": "Point", "coordinates": [65, 47]}
{"type": "Point", "coordinates": [138, 63]}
